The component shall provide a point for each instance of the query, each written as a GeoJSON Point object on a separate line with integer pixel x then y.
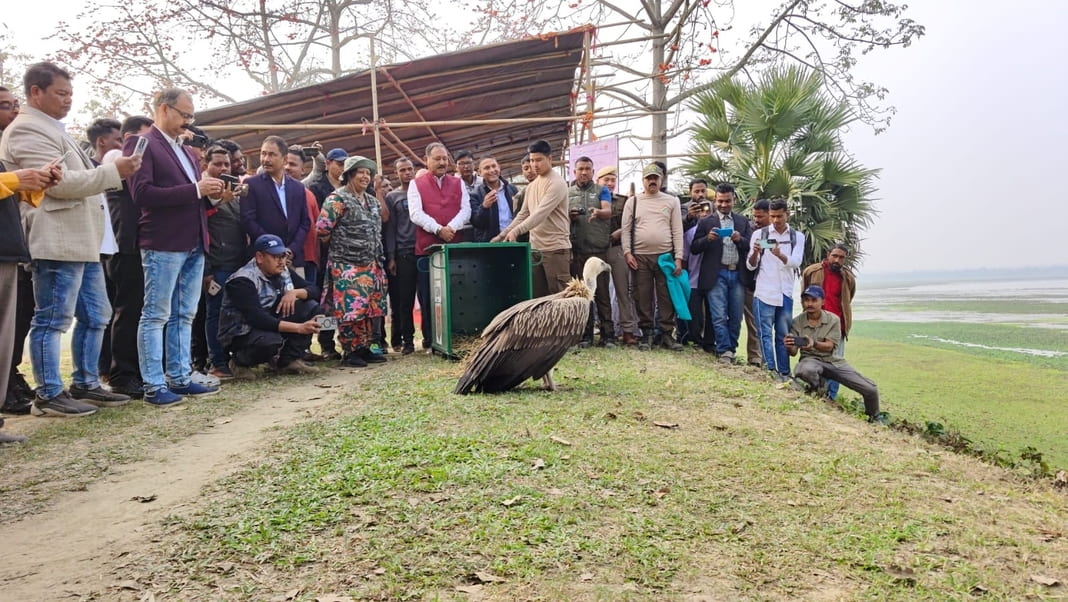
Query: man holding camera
{"type": "Point", "coordinates": [817, 334]}
{"type": "Point", "coordinates": [839, 285]}
{"type": "Point", "coordinates": [269, 313]}
{"type": "Point", "coordinates": [777, 251]}
{"type": "Point", "coordinates": [723, 239]}
{"type": "Point", "coordinates": [590, 209]}
{"type": "Point", "coordinates": [174, 199]}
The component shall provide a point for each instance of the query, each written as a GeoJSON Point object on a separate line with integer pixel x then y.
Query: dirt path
{"type": "Point", "coordinates": [66, 550]}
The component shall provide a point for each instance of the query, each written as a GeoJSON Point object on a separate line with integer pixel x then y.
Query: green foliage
{"type": "Point", "coordinates": [780, 138]}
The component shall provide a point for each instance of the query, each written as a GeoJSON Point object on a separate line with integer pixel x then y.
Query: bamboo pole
{"type": "Point", "coordinates": [675, 156]}
{"type": "Point", "coordinates": [411, 103]}
{"type": "Point", "coordinates": [374, 104]}
{"type": "Point", "coordinates": [412, 124]}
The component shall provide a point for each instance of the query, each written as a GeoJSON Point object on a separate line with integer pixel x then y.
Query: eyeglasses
{"type": "Point", "coordinates": [7, 106]}
{"type": "Point", "coordinates": [187, 116]}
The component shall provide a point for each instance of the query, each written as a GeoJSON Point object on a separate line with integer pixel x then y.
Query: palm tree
{"type": "Point", "coordinates": [780, 138]}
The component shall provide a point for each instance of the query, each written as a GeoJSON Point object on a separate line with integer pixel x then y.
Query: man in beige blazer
{"type": "Point", "coordinates": [64, 233]}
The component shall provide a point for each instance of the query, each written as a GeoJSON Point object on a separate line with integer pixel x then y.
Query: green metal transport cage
{"type": "Point", "coordinates": [470, 283]}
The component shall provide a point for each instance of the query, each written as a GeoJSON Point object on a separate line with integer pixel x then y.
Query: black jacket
{"type": "Point", "coordinates": [487, 222]}
{"type": "Point", "coordinates": [13, 247]}
{"type": "Point", "coordinates": [713, 249]}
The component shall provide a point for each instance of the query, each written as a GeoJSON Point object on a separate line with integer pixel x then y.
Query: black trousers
{"type": "Point", "coordinates": [127, 298]}
{"type": "Point", "coordinates": [199, 349]}
{"type": "Point", "coordinates": [259, 346]}
{"type": "Point", "coordinates": [103, 366]}
{"type": "Point", "coordinates": [326, 337]}
{"type": "Point", "coordinates": [423, 291]}
{"type": "Point", "coordinates": [402, 288]}
{"type": "Point", "coordinates": [24, 306]}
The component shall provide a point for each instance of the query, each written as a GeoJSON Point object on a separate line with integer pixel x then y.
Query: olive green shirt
{"type": "Point", "coordinates": [828, 329]}
{"type": "Point", "coordinates": [587, 237]}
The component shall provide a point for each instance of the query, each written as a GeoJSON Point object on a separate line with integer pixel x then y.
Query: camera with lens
{"type": "Point", "coordinates": [578, 211]}
{"type": "Point", "coordinates": [198, 140]}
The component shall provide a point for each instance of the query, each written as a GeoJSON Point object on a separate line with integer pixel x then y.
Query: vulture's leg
{"type": "Point", "coordinates": [548, 380]}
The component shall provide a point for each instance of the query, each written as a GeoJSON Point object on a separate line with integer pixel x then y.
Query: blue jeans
{"type": "Point", "coordinates": [62, 291]}
{"type": "Point", "coordinates": [172, 292]}
{"type": "Point", "coordinates": [217, 354]}
{"type": "Point", "coordinates": [774, 323]}
{"type": "Point", "coordinates": [725, 302]}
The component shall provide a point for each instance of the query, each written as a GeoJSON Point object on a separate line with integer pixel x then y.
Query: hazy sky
{"type": "Point", "coordinates": [971, 162]}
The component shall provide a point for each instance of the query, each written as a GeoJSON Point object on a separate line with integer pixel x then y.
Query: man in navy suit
{"type": "Point", "coordinates": [275, 203]}
{"type": "Point", "coordinates": [172, 236]}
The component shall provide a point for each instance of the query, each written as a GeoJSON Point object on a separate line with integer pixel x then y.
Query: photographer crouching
{"type": "Point", "coordinates": [816, 334]}
{"type": "Point", "coordinates": [269, 313]}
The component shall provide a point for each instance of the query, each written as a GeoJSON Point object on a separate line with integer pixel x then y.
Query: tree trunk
{"type": "Point", "coordinates": [659, 100]}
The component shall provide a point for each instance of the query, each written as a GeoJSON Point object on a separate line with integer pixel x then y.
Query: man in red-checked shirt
{"type": "Point", "coordinates": [839, 285]}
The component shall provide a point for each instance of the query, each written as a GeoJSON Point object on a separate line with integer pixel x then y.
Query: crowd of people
{"type": "Point", "coordinates": [180, 269]}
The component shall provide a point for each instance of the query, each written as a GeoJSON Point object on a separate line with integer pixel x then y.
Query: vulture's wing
{"type": "Point", "coordinates": [524, 341]}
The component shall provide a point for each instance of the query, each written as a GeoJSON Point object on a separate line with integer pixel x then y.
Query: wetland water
{"type": "Point", "coordinates": [1024, 318]}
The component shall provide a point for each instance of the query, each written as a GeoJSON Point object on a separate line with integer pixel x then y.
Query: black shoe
{"type": "Point", "coordinates": [62, 405]}
{"type": "Point", "coordinates": [330, 355]}
{"type": "Point", "coordinates": [19, 384]}
{"type": "Point", "coordinates": [370, 356]}
{"type": "Point", "coordinates": [645, 343]}
{"type": "Point", "coordinates": [133, 390]}
{"type": "Point", "coordinates": [408, 349]}
{"type": "Point", "coordinates": [99, 397]}
{"type": "Point", "coordinates": [353, 360]}
{"type": "Point", "coordinates": [426, 343]}
{"type": "Point", "coordinates": [17, 403]}
{"type": "Point", "coordinates": [671, 344]}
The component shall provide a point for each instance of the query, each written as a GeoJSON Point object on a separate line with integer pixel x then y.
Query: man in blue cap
{"type": "Point", "coordinates": [269, 313]}
{"type": "Point", "coordinates": [816, 334]}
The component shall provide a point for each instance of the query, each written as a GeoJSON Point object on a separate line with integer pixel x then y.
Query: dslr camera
{"type": "Point", "coordinates": [198, 140]}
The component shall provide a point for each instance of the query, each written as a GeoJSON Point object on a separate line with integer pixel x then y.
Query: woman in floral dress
{"type": "Point", "coordinates": [354, 286]}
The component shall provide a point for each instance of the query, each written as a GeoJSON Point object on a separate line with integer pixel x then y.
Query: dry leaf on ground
{"type": "Point", "coordinates": [487, 577]}
{"type": "Point", "coordinates": [1047, 581]}
{"type": "Point", "coordinates": [144, 499]}
{"type": "Point", "coordinates": [511, 501]}
{"type": "Point", "coordinates": [537, 464]}
{"type": "Point", "coordinates": [667, 425]}
{"type": "Point", "coordinates": [560, 441]}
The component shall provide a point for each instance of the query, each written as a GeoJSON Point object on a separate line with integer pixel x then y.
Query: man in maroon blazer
{"type": "Point", "coordinates": [275, 203]}
{"type": "Point", "coordinates": [173, 234]}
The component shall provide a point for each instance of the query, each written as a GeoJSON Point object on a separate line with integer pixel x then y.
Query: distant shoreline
{"type": "Point", "coordinates": [885, 279]}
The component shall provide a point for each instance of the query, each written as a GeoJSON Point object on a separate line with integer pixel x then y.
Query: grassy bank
{"type": "Point", "coordinates": [649, 476]}
{"type": "Point", "coordinates": [998, 403]}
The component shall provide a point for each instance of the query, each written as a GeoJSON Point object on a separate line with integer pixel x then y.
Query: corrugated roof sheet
{"type": "Point", "coordinates": [534, 77]}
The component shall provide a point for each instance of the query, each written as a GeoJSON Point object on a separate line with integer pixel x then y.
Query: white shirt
{"type": "Point", "coordinates": [280, 189]}
{"type": "Point", "coordinates": [424, 221]}
{"type": "Point", "coordinates": [776, 279]}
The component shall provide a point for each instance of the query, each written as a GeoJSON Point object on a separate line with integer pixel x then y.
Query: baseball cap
{"type": "Point", "coordinates": [815, 291]}
{"type": "Point", "coordinates": [606, 171]}
{"type": "Point", "coordinates": [337, 154]}
{"type": "Point", "coordinates": [652, 170]}
{"type": "Point", "coordinates": [269, 243]}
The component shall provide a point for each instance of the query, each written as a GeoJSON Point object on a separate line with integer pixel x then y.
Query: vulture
{"type": "Point", "coordinates": [529, 338]}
